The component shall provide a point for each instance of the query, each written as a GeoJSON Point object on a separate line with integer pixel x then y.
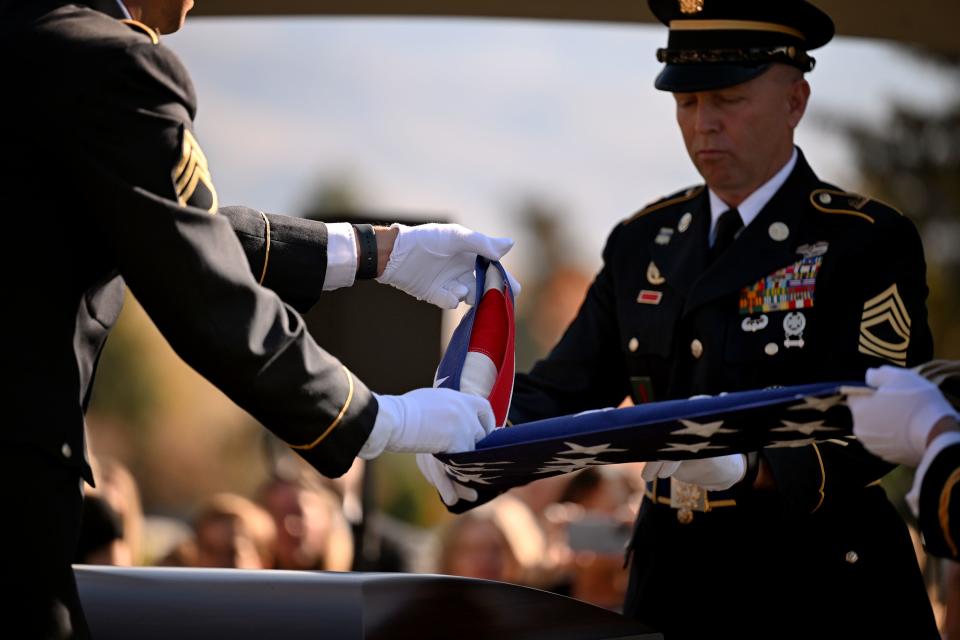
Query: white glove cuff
{"type": "Point", "coordinates": [924, 420]}
{"type": "Point", "coordinates": [389, 419]}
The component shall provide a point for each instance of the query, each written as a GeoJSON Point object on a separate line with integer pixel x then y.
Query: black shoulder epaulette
{"type": "Point", "coordinates": [834, 201]}
{"type": "Point", "coordinates": [136, 25]}
{"type": "Point", "coordinates": [656, 205]}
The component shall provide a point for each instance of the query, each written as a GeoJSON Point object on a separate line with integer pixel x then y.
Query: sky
{"type": "Point", "coordinates": [462, 120]}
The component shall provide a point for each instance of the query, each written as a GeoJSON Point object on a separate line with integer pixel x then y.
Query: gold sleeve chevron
{"type": "Point", "coordinates": [193, 173]}
{"type": "Point", "coordinates": [886, 311]}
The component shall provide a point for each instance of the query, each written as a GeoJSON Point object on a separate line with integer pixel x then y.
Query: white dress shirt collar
{"type": "Point", "coordinates": [755, 202]}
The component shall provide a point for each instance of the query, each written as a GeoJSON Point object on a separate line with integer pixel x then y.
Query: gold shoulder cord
{"type": "Point", "coordinates": [266, 253]}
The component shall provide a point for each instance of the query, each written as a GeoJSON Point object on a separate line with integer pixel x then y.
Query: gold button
{"type": "Point", "coordinates": [825, 198]}
{"type": "Point", "coordinates": [771, 349]}
{"type": "Point", "coordinates": [633, 345]}
{"type": "Point", "coordinates": [685, 516]}
{"type": "Point", "coordinates": [852, 557]}
{"type": "Point", "coordinates": [66, 450]}
{"type": "Point", "coordinates": [696, 348]}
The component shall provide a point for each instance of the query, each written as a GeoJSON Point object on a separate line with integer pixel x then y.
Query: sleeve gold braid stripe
{"type": "Point", "coordinates": [823, 478]}
{"type": "Point", "coordinates": [944, 511]}
{"type": "Point", "coordinates": [336, 421]}
{"type": "Point", "coordinates": [899, 359]}
{"type": "Point", "coordinates": [845, 212]}
{"type": "Point", "coordinates": [266, 252]}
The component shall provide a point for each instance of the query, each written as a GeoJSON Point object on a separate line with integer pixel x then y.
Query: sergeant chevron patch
{"type": "Point", "coordinates": [885, 327]}
{"type": "Point", "coordinates": [191, 177]}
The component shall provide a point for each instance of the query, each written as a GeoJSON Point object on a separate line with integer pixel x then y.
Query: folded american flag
{"type": "Point", "coordinates": [673, 430]}
{"type": "Point", "coordinates": [703, 427]}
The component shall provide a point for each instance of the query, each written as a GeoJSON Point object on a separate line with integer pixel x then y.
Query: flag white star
{"type": "Point", "coordinates": [474, 478]}
{"type": "Point", "coordinates": [689, 448]}
{"type": "Point", "coordinates": [818, 404]}
{"type": "Point", "coordinates": [706, 430]}
{"type": "Point", "coordinates": [475, 466]}
{"type": "Point", "coordinates": [576, 449]}
{"type": "Point", "coordinates": [790, 444]}
{"type": "Point", "coordinates": [806, 428]}
{"type": "Point", "coordinates": [573, 466]}
{"type": "Point", "coordinates": [566, 465]}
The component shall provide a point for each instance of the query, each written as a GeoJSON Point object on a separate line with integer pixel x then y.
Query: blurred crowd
{"type": "Point", "coordinates": [565, 534]}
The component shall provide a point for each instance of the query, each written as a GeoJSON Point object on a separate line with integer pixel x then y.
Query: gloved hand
{"type": "Point", "coordinates": [435, 262]}
{"type": "Point", "coordinates": [896, 420]}
{"type": "Point", "coordinates": [428, 421]}
{"type": "Point", "coordinates": [713, 474]}
{"type": "Point", "coordinates": [450, 490]}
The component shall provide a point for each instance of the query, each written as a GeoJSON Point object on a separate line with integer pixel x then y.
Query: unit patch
{"type": "Point", "coordinates": [885, 327]}
{"type": "Point", "coordinates": [787, 289]}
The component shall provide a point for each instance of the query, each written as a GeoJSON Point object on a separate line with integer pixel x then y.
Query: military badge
{"type": "Point", "coordinates": [788, 289]}
{"type": "Point", "coordinates": [793, 325]}
{"type": "Point", "coordinates": [813, 250]}
{"type": "Point", "coordinates": [752, 325]}
{"type": "Point", "coordinates": [664, 237]}
{"type": "Point", "coordinates": [191, 177]}
{"type": "Point", "coordinates": [654, 276]}
{"type": "Point", "coordinates": [691, 7]}
{"type": "Point", "coordinates": [885, 327]}
{"type": "Point", "coordinates": [650, 297]}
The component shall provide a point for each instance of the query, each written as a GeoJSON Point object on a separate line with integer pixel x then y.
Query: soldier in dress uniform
{"type": "Point", "coordinates": [765, 275]}
{"type": "Point", "coordinates": [99, 147]}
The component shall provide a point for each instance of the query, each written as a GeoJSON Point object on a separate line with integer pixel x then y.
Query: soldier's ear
{"type": "Point", "coordinates": [798, 97]}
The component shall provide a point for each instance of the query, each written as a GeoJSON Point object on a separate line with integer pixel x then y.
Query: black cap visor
{"type": "Point", "coordinates": [687, 78]}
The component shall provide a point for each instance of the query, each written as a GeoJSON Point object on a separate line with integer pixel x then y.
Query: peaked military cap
{"type": "Point", "coordinates": [720, 43]}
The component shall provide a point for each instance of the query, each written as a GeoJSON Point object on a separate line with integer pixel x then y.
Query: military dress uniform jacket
{"type": "Point", "coordinates": [105, 183]}
{"type": "Point", "coordinates": [820, 286]}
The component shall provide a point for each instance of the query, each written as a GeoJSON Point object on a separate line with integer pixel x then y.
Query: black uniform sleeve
{"type": "Point", "coordinates": [888, 287]}
{"type": "Point", "coordinates": [286, 254]}
{"type": "Point", "coordinates": [585, 369]}
{"type": "Point", "coordinates": [187, 268]}
{"type": "Point", "coordinates": [940, 504]}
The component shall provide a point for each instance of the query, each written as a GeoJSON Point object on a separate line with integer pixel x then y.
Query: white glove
{"type": "Point", "coordinates": [450, 490]}
{"type": "Point", "coordinates": [428, 421]}
{"type": "Point", "coordinates": [435, 262]}
{"type": "Point", "coordinates": [712, 474]}
{"type": "Point", "coordinates": [896, 420]}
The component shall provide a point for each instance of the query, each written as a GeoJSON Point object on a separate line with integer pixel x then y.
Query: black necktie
{"type": "Point", "coordinates": [728, 225]}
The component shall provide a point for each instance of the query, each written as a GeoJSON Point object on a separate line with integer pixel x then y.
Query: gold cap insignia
{"type": "Point", "coordinates": [690, 7]}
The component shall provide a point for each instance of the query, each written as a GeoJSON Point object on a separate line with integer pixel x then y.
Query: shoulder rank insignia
{"type": "Point", "coordinates": [885, 327]}
{"type": "Point", "coordinates": [192, 178]}
{"type": "Point", "coordinates": [136, 25]}
{"type": "Point", "coordinates": [787, 289]}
